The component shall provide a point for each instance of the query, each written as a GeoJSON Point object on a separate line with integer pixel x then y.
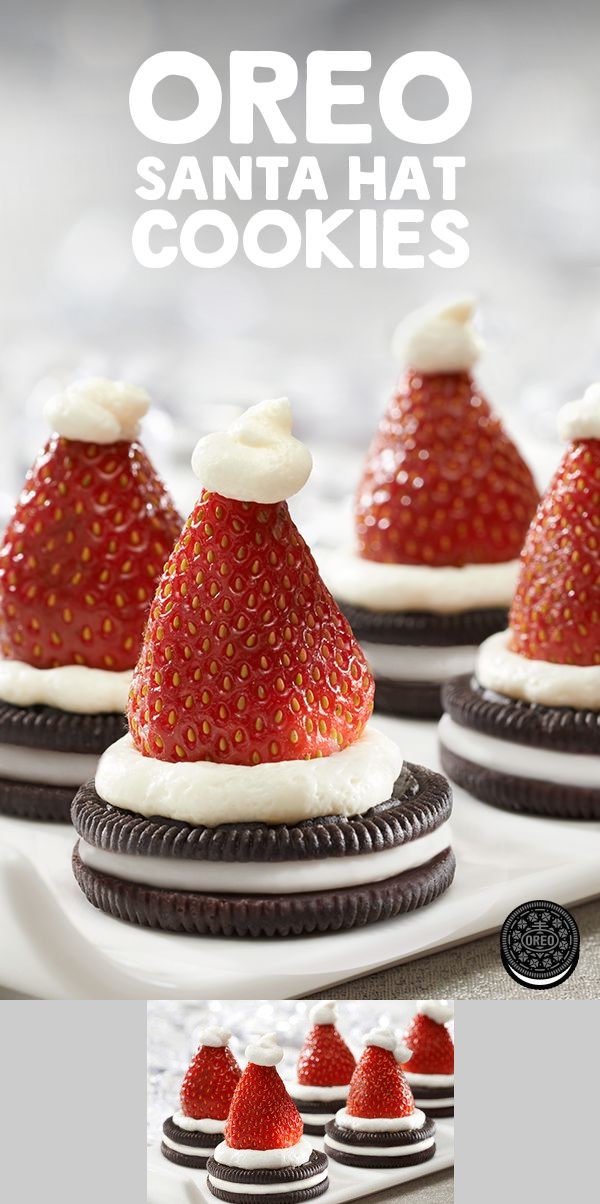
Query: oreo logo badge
{"type": "Point", "coordinates": [539, 944]}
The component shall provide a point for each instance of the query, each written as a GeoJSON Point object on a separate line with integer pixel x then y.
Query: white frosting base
{"type": "Point", "coordinates": [503, 756]}
{"type": "Point", "coordinates": [378, 1151]}
{"type": "Point", "coordinates": [97, 410]}
{"type": "Point", "coordinates": [516, 676]}
{"type": "Point", "coordinates": [257, 459]}
{"type": "Point", "coordinates": [21, 764]}
{"type": "Point", "coordinates": [406, 662]}
{"type": "Point", "coordinates": [380, 1124]}
{"type": "Point", "coordinates": [272, 1160]}
{"type": "Point", "coordinates": [205, 792]}
{"type": "Point", "coordinates": [445, 590]}
{"type": "Point", "coordinates": [73, 688]}
{"type": "Point", "coordinates": [324, 1012]}
{"type": "Point", "coordinates": [271, 1189]}
{"type": "Point", "coordinates": [428, 1080]}
{"type": "Point", "coordinates": [192, 1151]}
{"type": "Point", "coordinates": [321, 1094]}
{"type": "Point", "coordinates": [438, 339]}
{"type": "Point", "coordinates": [440, 1011]}
{"type": "Point", "coordinates": [581, 419]}
{"type": "Point", "coordinates": [191, 1125]}
{"type": "Point", "coordinates": [274, 877]}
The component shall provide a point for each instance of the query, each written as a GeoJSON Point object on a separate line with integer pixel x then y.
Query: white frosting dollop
{"type": "Point", "coordinates": [440, 1010]}
{"type": "Point", "coordinates": [257, 459]}
{"type": "Point", "coordinates": [68, 688]}
{"type": "Point", "coordinates": [445, 590]}
{"type": "Point", "coordinates": [581, 419]}
{"type": "Point", "coordinates": [543, 682]}
{"type": "Point", "coordinates": [324, 1012]}
{"type": "Point", "coordinates": [250, 1160]}
{"type": "Point", "coordinates": [265, 1051]}
{"type": "Point", "coordinates": [205, 792]}
{"type": "Point", "coordinates": [438, 338]}
{"type": "Point", "coordinates": [386, 1038]}
{"type": "Point", "coordinates": [379, 1124]}
{"type": "Point", "coordinates": [214, 1036]}
{"type": "Point", "coordinates": [97, 410]}
{"type": "Point", "coordinates": [191, 1125]}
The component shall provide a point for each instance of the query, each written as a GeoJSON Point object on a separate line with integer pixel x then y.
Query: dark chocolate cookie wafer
{"type": "Point", "coordinates": [426, 1099]}
{"type": "Point", "coordinates": [560, 729]}
{"type": "Point", "coordinates": [195, 1141]}
{"type": "Point", "coordinates": [31, 800]}
{"type": "Point", "coordinates": [421, 802]}
{"type": "Point", "coordinates": [266, 915]}
{"type": "Point", "coordinates": [408, 1140]}
{"type": "Point", "coordinates": [526, 795]}
{"type": "Point", "coordinates": [423, 628]}
{"type": "Point", "coordinates": [59, 731]}
{"type": "Point", "coordinates": [415, 699]}
{"type": "Point", "coordinates": [289, 1178]}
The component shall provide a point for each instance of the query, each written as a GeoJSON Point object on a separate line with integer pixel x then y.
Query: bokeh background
{"type": "Point", "coordinates": [73, 301]}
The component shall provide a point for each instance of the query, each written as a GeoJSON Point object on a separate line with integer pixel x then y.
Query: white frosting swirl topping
{"type": "Point", "coordinates": [249, 1160]}
{"type": "Point", "coordinates": [581, 419]}
{"type": "Point", "coordinates": [386, 1038]}
{"type": "Point", "coordinates": [444, 590]}
{"type": "Point", "coordinates": [265, 1051]}
{"type": "Point", "coordinates": [324, 1012]}
{"type": "Point", "coordinates": [438, 339]}
{"type": "Point", "coordinates": [214, 1036]}
{"type": "Point", "coordinates": [68, 687]}
{"type": "Point", "coordinates": [97, 410]}
{"type": "Point", "coordinates": [544, 682]}
{"type": "Point", "coordinates": [206, 792]}
{"type": "Point", "coordinates": [440, 1010]}
{"type": "Point", "coordinates": [257, 459]}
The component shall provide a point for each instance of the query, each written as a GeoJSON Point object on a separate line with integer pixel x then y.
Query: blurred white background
{"type": "Point", "coordinates": [73, 300]}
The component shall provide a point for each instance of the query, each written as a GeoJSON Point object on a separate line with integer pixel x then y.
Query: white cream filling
{"type": "Point", "coordinates": [21, 764]}
{"type": "Point", "coordinates": [380, 1124]}
{"type": "Point", "coordinates": [257, 459]}
{"type": "Point", "coordinates": [316, 1118]}
{"type": "Point", "coordinates": [399, 587]}
{"type": "Point", "coordinates": [429, 1104]}
{"type": "Point", "coordinates": [207, 1125]}
{"type": "Point", "coordinates": [302, 1091]}
{"type": "Point", "coordinates": [73, 688]}
{"type": "Point", "coordinates": [272, 1160]}
{"type": "Point", "coordinates": [97, 410]}
{"type": "Point", "coordinates": [517, 676]}
{"type": "Point", "coordinates": [270, 1189]}
{"type": "Point", "coordinates": [438, 338]}
{"type": "Point", "coordinates": [378, 1151]}
{"type": "Point", "coordinates": [406, 662]}
{"type": "Point", "coordinates": [192, 1151]}
{"type": "Point", "coordinates": [503, 756]}
{"type": "Point", "coordinates": [206, 792]}
{"type": "Point", "coordinates": [258, 878]}
{"type": "Point", "coordinates": [428, 1080]}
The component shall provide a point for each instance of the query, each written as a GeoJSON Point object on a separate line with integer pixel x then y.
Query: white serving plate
{"type": "Point", "coordinates": [171, 1184]}
{"type": "Point", "coordinates": [53, 944]}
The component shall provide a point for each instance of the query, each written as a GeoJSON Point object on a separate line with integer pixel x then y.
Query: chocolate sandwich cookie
{"type": "Point", "coordinates": [521, 756]}
{"type": "Point", "coordinates": [261, 880]}
{"type": "Point", "coordinates": [45, 755]}
{"type": "Point", "coordinates": [415, 689]}
{"type": "Point", "coordinates": [187, 1147]}
{"type": "Point", "coordinates": [361, 1147]}
{"type": "Point", "coordinates": [433, 1101]}
{"type": "Point", "coordinates": [287, 1185]}
{"type": "Point", "coordinates": [317, 1113]}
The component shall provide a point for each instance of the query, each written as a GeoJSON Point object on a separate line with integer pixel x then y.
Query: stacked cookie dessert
{"type": "Point", "coordinates": [253, 796]}
{"type": "Point", "coordinates": [325, 1067]}
{"type": "Point", "coordinates": [191, 1134]}
{"type": "Point", "coordinates": [442, 510]}
{"type": "Point", "coordinates": [430, 1074]}
{"type": "Point", "coordinates": [524, 732]}
{"type": "Point", "coordinates": [79, 563]}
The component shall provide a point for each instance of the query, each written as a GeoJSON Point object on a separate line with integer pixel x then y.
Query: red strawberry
{"type": "Point", "coordinates": [443, 483]}
{"type": "Point", "coordinates": [432, 1047]}
{"type": "Point", "coordinates": [82, 552]}
{"type": "Point", "coordinates": [325, 1060]}
{"type": "Point", "coordinates": [209, 1084]}
{"type": "Point", "coordinates": [246, 656]}
{"type": "Point", "coordinates": [262, 1115]}
{"type": "Point", "coordinates": [378, 1087]}
{"type": "Point", "coordinates": [555, 614]}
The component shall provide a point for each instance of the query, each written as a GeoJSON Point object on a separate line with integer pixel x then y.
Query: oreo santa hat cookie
{"type": "Point", "coordinates": [325, 1067]}
{"type": "Point", "coordinates": [441, 514]}
{"type": "Point", "coordinates": [430, 1073]}
{"type": "Point", "coordinates": [264, 1152]}
{"type": "Point", "coordinates": [380, 1125]}
{"type": "Point", "coordinates": [191, 1134]}
{"type": "Point", "coordinates": [79, 563]}
{"type": "Point", "coordinates": [253, 796]}
{"type": "Point", "coordinates": [524, 732]}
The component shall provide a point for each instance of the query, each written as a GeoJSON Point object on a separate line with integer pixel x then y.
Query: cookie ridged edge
{"type": "Point", "coordinates": [560, 729]}
{"type": "Point", "coordinates": [35, 800]}
{"type": "Point", "coordinates": [59, 731]}
{"type": "Point", "coordinates": [526, 796]}
{"type": "Point", "coordinates": [424, 628]}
